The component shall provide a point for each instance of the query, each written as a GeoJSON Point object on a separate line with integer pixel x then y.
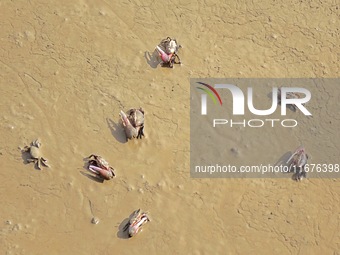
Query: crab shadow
{"type": "Point", "coordinates": [25, 155]}
{"type": "Point", "coordinates": [282, 161]}
{"type": "Point", "coordinates": [152, 58]}
{"type": "Point", "coordinates": [86, 172]}
{"type": "Point", "coordinates": [122, 231]}
{"type": "Point", "coordinates": [91, 177]}
{"type": "Point", "coordinates": [116, 131]}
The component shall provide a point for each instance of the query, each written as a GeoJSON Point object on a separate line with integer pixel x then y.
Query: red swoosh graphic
{"type": "Point", "coordinates": [213, 90]}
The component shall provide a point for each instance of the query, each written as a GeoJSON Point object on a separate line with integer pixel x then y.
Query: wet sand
{"type": "Point", "coordinates": [68, 68]}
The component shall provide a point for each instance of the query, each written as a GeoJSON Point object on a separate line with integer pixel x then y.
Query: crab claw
{"type": "Point", "coordinates": [130, 131]}
{"type": "Point", "coordinates": [44, 161]}
{"type": "Point", "coordinates": [105, 174]}
{"type": "Point", "coordinates": [140, 133]}
{"type": "Point", "coordinates": [165, 57]}
{"type": "Point", "coordinates": [124, 118]}
{"type": "Point", "coordinates": [299, 150]}
{"type": "Point", "coordinates": [36, 143]}
{"type": "Point", "coordinates": [94, 169]}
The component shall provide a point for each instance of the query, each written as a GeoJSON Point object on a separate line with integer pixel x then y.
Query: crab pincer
{"type": "Point", "coordinates": [105, 174]}
{"type": "Point", "coordinates": [130, 131]}
{"type": "Point", "coordinates": [165, 57]}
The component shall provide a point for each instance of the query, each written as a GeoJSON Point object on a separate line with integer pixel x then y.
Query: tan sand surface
{"type": "Point", "coordinates": [68, 67]}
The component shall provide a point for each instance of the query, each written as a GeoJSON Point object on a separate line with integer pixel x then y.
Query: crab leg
{"type": "Point", "coordinates": [26, 149]}
{"type": "Point", "coordinates": [179, 60]}
{"type": "Point", "coordinates": [44, 161]}
{"type": "Point", "coordinates": [29, 160]}
{"type": "Point", "coordinates": [91, 156]}
{"type": "Point", "coordinates": [140, 132]}
{"type": "Point", "coordinates": [38, 164]}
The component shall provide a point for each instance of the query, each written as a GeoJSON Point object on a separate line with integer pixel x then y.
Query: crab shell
{"type": "Point", "coordinates": [171, 47]}
{"type": "Point", "coordinates": [34, 149]}
{"type": "Point", "coordinates": [102, 163]}
{"type": "Point", "coordinates": [34, 152]}
{"type": "Point", "coordinates": [302, 159]}
{"type": "Point", "coordinates": [136, 117]}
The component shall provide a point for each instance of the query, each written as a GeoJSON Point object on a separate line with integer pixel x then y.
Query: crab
{"type": "Point", "coordinates": [290, 95]}
{"type": "Point", "coordinates": [133, 123]}
{"type": "Point", "coordinates": [137, 220]}
{"type": "Point", "coordinates": [34, 151]}
{"type": "Point", "coordinates": [297, 161]}
{"type": "Point", "coordinates": [100, 167]}
{"type": "Point", "coordinates": [167, 50]}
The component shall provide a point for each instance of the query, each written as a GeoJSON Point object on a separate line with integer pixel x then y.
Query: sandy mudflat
{"type": "Point", "coordinates": [68, 67]}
